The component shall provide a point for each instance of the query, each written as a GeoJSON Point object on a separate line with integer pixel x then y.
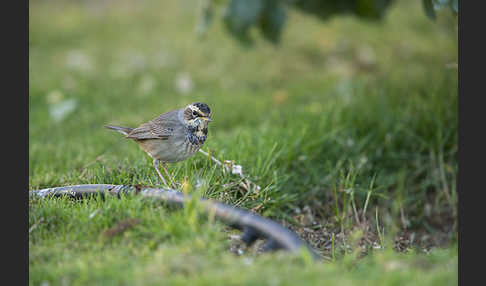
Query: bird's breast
{"type": "Point", "coordinates": [197, 136]}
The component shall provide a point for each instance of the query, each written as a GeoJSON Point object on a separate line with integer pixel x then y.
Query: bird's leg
{"type": "Point", "coordinates": [156, 166]}
{"type": "Point", "coordinates": [168, 175]}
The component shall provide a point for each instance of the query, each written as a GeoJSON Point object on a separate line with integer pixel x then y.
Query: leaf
{"type": "Point", "coordinates": [240, 15]}
{"type": "Point", "coordinates": [438, 4]}
{"type": "Point", "coordinates": [455, 5]}
{"type": "Point", "coordinates": [429, 9]}
{"type": "Point", "coordinates": [273, 20]}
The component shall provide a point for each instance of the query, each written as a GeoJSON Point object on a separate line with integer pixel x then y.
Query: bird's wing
{"type": "Point", "coordinates": [161, 127]}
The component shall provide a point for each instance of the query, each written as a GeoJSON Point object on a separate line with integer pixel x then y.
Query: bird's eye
{"type": "Point", "coordinates": [194, 113]}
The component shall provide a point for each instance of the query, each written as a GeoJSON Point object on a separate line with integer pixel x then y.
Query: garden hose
{"type": "Point", "coordinates": [253, 226]}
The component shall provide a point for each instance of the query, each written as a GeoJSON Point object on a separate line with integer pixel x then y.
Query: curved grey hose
{"type": "Point", "coordinates": [252, 225]}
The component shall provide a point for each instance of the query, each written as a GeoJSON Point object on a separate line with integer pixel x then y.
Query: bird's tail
{"type": "Point", "coordinates": [122, 130]}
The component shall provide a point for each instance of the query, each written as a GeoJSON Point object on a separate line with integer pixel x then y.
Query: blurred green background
{"type": "Point", "coordinates": [343, 121]}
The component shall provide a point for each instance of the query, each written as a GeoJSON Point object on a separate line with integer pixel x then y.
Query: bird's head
{"type": "Point", "coordinates": [197, 115]}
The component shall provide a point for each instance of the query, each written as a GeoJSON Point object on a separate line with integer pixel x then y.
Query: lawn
{"type": "Point", "coordinates": [348, 127]}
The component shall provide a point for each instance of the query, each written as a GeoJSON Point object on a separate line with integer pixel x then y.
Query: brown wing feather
{"type": "Point", "coordinates": [161, 127]}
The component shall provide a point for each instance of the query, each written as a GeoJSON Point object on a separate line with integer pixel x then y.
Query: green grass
{"type": "Point", "coordinates": [183, 247]}
{"type": "Point", "coordinates": [351, 125]}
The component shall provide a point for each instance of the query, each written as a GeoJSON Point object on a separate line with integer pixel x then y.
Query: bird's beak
{"type": "Point", "coordinates": [208, 119]}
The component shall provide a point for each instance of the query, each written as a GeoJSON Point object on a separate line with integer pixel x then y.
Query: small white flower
{"type": "Point", "coordinates": [91, 215]}
{"type": "Point", "coordinates": [60, 110]}
{"type": "Point", "coordinates": [184, 83]}
{"type": "Point", "coordinates": [237, 170]}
